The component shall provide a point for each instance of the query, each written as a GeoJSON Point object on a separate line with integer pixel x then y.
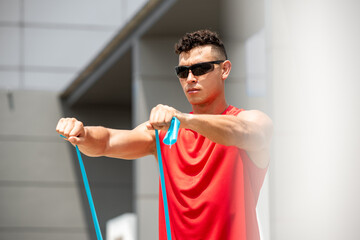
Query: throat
{"type": "Point", "coordinates": [210, 109]}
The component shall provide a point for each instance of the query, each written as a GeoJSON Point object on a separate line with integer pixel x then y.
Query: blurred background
{"type": "Point", "coordinates": [109, 62]}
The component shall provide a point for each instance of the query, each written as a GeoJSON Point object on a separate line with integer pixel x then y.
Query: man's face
{"type": "Point", "coordinates": [203, 89]}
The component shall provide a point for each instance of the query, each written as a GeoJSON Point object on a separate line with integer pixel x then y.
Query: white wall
{"type": "Point", "coordinates": [315, 56]}
{"type": "Point", "coordinates": [245, 33]}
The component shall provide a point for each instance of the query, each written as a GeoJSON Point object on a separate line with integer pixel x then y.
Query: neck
{"type": "Point", "coordinates": [210, 108]}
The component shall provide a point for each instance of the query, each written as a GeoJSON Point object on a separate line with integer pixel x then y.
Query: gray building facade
{"type": "Point", "coordinates": [295, 60]}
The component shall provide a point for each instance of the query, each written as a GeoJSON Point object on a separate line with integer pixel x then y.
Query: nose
{"type": "Point", "coordinates": [191, 77]}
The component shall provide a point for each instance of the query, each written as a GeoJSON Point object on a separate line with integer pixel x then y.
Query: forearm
{"type": "Point", "coordinates": [101, 141]}
{"type": "Point", "coordinates": [227, 130]}
{"type": "Point", "coordinates": [217, 128]}
{"type": "Point", "coordinates": [124, 144]}
{"type": "Point", "coordinates": [95, 141]}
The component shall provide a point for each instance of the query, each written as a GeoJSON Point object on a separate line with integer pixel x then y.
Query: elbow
{"type": "Point", "coordinates": [263, 134]}
{"type": "Point", "coordinates": [255, 137]}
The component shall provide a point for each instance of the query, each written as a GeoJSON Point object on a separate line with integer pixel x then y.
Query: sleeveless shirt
{"type": "Point", "coordinates": [212, 189]}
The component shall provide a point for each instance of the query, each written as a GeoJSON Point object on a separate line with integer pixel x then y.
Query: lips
{"type": "Point", "coordinates": [192, 90]}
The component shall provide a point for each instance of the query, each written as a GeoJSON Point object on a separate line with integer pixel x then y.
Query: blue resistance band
{"type": "Point", "coordinates": [169, 139]}
{"type": "Point", "coordinates": [88, 193]}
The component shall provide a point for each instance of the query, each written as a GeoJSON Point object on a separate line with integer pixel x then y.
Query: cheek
{"type": "Point", "coordinates": [213, 87]}
{"type": "Point", "coordinates": [182, 83]}
{"type": "Point", "coordinates": [211, 84]}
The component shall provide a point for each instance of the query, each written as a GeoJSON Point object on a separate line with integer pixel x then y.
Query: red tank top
{"type": "Point", "coordinates": [212, 189]}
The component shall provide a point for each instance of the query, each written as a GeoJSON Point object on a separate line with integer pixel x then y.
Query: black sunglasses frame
{"type": "Point", "coordinates": [182, 70]}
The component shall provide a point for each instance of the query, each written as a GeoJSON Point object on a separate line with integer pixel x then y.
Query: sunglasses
{"type": "Point", "coordinates": [196, 69]}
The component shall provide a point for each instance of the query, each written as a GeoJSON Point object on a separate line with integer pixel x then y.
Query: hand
{"type": "Point", "coordinates": [72, 129]}
{"type": "Point", "coordinates": [160, 117]}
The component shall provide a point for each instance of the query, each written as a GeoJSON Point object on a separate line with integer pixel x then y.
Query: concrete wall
{"type": "Point", "coordinates": [45, 44]}
{"type": "Point", "coordinates": [39, 194]}
{"type": "Point", "coordinates": [154, 82]}
{"type": "Point", "coordinates": [315, 59]}
{"type": "Point", "coordinates": [296, 60]}
{"type": "Point", "coordinates": [111, 180]}
{"type": "Point", "coordinates": [41, 190]}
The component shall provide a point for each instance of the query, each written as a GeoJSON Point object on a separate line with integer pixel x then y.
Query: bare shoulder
{"type": "Point", "coordinates": [261, 127]}
{"type": "Point", "coordinates": [256, 116]}
{"type": "Point", "coordinates": [259, 118]}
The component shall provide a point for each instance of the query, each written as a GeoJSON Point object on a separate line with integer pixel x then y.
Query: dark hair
{"type": "Point", "coordinates": [200, 38]}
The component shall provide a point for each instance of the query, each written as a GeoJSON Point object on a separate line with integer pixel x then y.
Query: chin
{"type": "Point", "coordinates": [196, 101]}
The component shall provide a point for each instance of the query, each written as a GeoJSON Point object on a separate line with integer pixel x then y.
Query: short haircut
{"type": "Point", "coordinates": [200, 38]}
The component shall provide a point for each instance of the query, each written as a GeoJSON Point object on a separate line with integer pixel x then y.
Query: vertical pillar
{"type": "Point", "coordinates": [245, 33]}
{"type": "Point", "coordinates": [154, 82]}
{"type": "Point", "coordinates": [316, 111]}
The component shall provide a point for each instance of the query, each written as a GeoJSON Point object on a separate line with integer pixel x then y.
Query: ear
{"type": "Point", "coordinates": [226, 67]}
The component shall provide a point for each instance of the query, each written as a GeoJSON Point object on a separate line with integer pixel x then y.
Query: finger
{"type": "Point", "coordinates": [63, 126]}
{"type": "Point", "coordinates": [78, 130]}
{"type": "Point", "coordinates": [149, 126]}
{"type": "Point", "coordinates": [70, 122]}
{"type": "Point", "coordinates": [152, 115]}
{"type": "Point", "coordinates": [77, 134]}
{"type": "Point", "coordinates": [59, 125]}
{"type": "Point", "coordinates": [168, 118]}
{"type": "Point", "coordinates": [155, 116]}
{"type": "Point", "coordinates": [164, 128]}
{"type": "Point", "coordinates": [75, 140]}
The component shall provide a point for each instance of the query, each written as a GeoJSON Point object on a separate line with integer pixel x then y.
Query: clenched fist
{"type": "Point", "coordinates": [160, 117]}
{"type": "Point", "coordinates": [72, 129]}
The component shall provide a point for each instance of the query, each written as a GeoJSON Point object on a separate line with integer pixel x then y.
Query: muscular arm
{"type": "Point", "coordinates": [249, 130]}
{"type": "Point", "coordinates": [100, 141]}
{"type": "Point", "coordinates": [130, 144]}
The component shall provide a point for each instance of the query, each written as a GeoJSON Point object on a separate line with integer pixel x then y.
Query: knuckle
{"type": "Point", "coordinates": [80, 124]}
{"type": "Point", "coordinates": [159, 106]}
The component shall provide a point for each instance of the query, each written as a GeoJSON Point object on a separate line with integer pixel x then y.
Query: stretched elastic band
{"type": "Point", "coordinates": [171, 135]}
{"type": "Point", "coordinates": [169, 139]}
{"type": "Point", "coordinates": [88, 193]}
{"type": "Point", "coordinates": [163, 187]}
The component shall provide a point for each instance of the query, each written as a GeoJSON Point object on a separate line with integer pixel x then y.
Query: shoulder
{"type": "Point", "coordinates": [256, 116]}
{"type": "Point", "coordinates": [262, 128]}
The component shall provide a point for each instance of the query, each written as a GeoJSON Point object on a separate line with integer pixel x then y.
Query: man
{"type": "Point", "coordinates": [215, 171]}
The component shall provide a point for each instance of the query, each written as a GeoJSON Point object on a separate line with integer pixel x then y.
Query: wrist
{"type": "Point", "coordinates": [184, 119]}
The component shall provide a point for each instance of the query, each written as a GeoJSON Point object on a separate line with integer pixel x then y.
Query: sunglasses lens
{"type": "Point", "coordinates": [196, 69]}
{"type": "Point", "coordinates": [201, 68]}
{"type": "Point", "coordinates": [182, 72]}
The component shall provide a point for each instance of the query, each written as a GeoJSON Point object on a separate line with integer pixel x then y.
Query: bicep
{"type": "Point", "coordinates": [131, 144]}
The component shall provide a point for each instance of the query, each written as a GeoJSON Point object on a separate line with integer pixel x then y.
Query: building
{"type": "Point", "coordinates": [296, 60]}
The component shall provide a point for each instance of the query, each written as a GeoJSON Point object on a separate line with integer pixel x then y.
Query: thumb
{"type": "Point", "coordinates": [75, 140]}
{"type": "Point", "coordinates": [149, 126]}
